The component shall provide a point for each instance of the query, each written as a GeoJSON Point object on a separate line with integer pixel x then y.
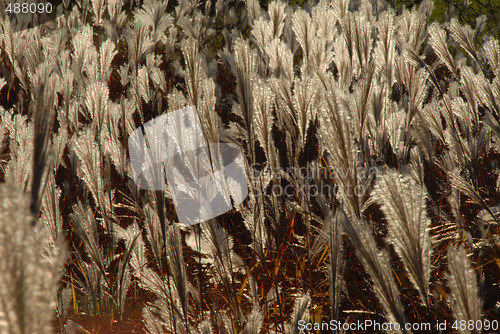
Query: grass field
{"type": "Point", "coordinates": [371, 150]}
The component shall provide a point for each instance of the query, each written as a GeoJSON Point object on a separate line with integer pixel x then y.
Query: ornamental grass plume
{"type": "Point", "coordinates": [30, 267]}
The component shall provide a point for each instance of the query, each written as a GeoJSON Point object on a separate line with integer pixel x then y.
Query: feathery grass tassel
{"type": "Point", "coordinates": [465, 301]}
{"type": "Point", "coordinates": [44, 116]}
{"type": "Point", "coordinates": [402, 201]}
